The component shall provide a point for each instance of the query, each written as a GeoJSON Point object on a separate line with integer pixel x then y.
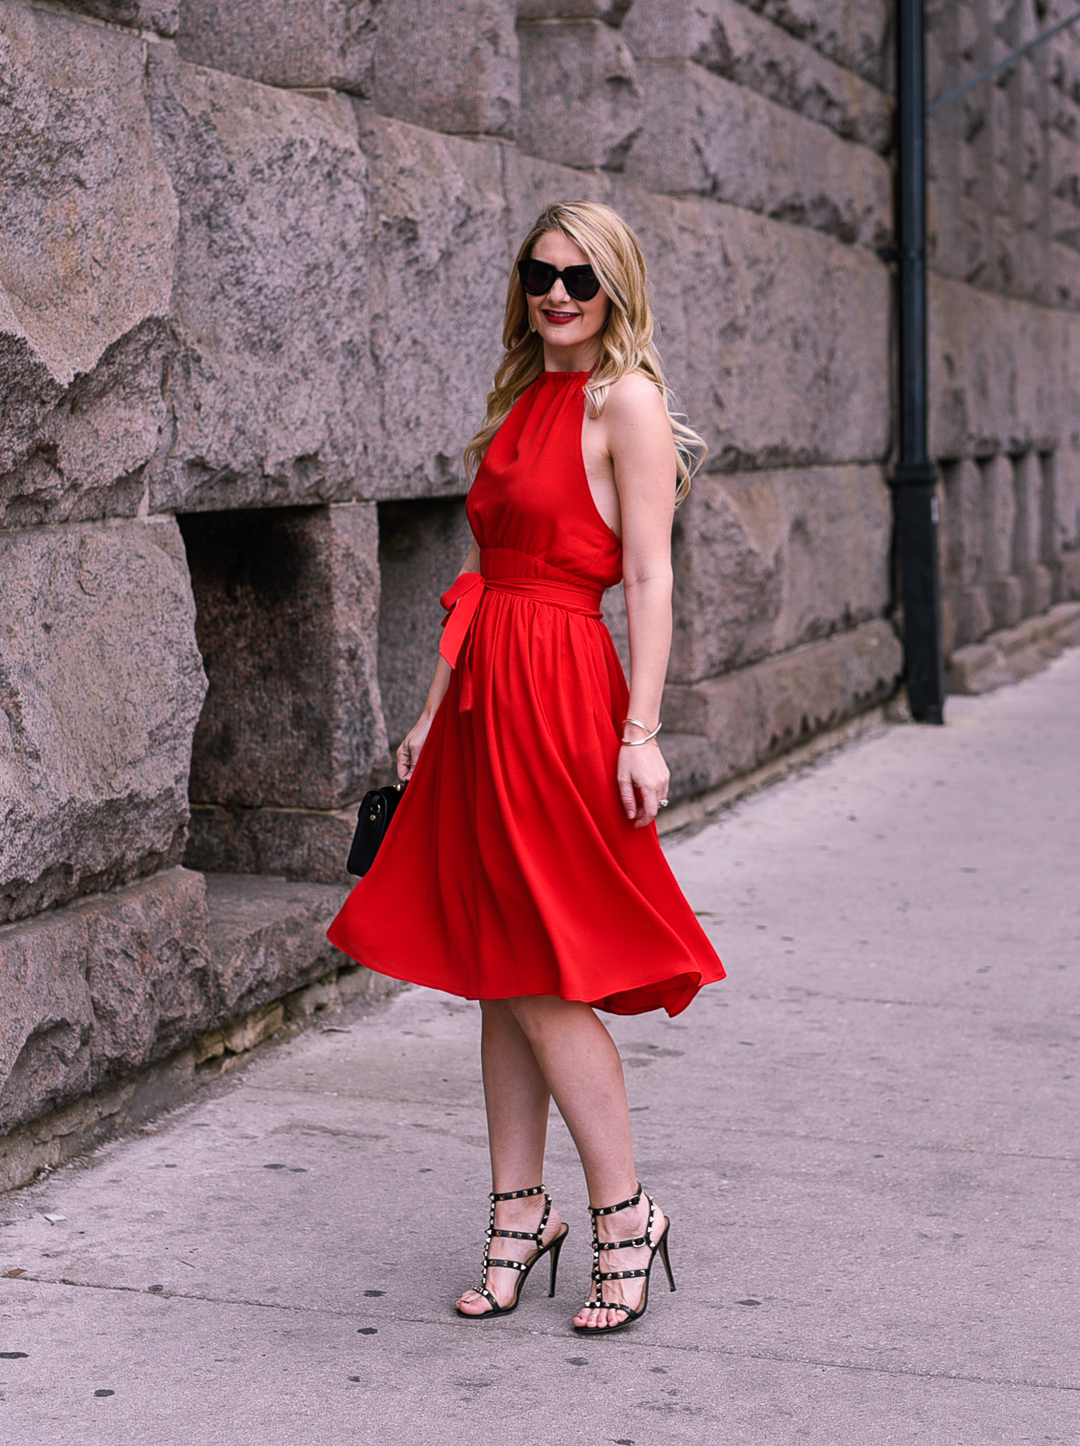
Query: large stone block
{"type": "Point", "coordinates": [1004, 373]}
{"type": "Point", "coordinates": [581, 103]}
{"type": "Point", "coordinates": [851, 32]}
{"type": "Point", "coordinates": [101, 685]}
{"type": "Point", "coordinates": [268, 395]}
{"type": "Point", "coordinates": [1027, 533]}
{"type": "Point", "coordinates": [439, 262]}
{"type": "Point", "coordinates": [775, 337]}
{"type": "Point", "coordinates": [706, 135]}
{"type": "Point", "coordinates": [999, 516]}
{"type": "Point", "coordinates": [319, 43]}
{"type": "Point", "coordinates": [766, 561]}
{"type": "Point", "coordinates": [731, 40]}
{"type": "Point", "coordinates": [1061, 498]}
{"type": "Point", "coordinates": [748, 716]}
{"type": "Point", "coordinates": [160, 15]}
{"type": "Point", "coordinates": [88, 223]}
{"type": "Point", "coordinates": [450, 65]}
{"type": "Point", "coordinates": [963, 523]}
{"type": "Point", "coordinates": [287, 603]}
{"type": "Point", "coordinates": [292, 843]}
{"type": "Point", "coordinates": [611, 11]}
{"type": "Point", "coordinates": [99, 988]}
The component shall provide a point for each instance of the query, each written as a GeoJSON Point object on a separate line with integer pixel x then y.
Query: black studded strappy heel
{"type": "Point", "coordinates": [597, 1302]}
{"type": "Point", "coordinates": [552, 1248]}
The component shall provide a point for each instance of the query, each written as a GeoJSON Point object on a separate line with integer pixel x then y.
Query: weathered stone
{"type": "Point", "coordinates": [1061, 498]}
{"type": "Point", "coordinates": [100, 988]}
{"type": "Point", "coordinates": [322, 997]}
{"type": "Point", "coordinates": [422, 546]}
{"type": "Point", "coordinates": [450, 65]}
{"type": "Point", "coordinates": [287, 602]}
{"type": "Point", "coordinates": [1027, 531]}
{"type": "Point", "coordinates": [581, 103]}
{"type": "Point", "coordinates": [1014, 653]}
{"type": "Point", "coordinates": [745, 717]}
{"type": "Point", "coordinates": [163, 16]}
{"type": "Point", "coordinates": [438, 237]}
{"type": "Point", "coordinates": [294, 843]}
{"type": "Point", "coordinates": [268, 393]}
{"type": "Point", "coordinates": [319, 43]}
{"type": "Point", "coordinates": [999, 515]}
{"type": "Point", "coordinates": [851, 32]}
{"type": "Point", "coordinates": [769, 560]}
{"type": "Point", "coordinates": [1004, 374]}
{"type": "Point", "coordinates": [1066, 574]}
{"type": "Point", "coordinates": [101, 685]}
{"type": "Point", "coordinates": [732, 41]}
{"type": "Point", "coordinates": [706, 135]}
{"type": "Point", "coordinates": [962, 521]}
{"type": "Point", "coordinates": [82, 342]}
{"type": "Point", "coordinates": [267, 938]}
{"type": "Point", "coordinates": [767, 364]}
{"type": "Point", "coordinates": [611, 11]}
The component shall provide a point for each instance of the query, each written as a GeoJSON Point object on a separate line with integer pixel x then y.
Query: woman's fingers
{"type": "Point", "coordinates": [626, 793]}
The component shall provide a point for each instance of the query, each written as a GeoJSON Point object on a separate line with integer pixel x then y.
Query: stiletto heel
{"type": "Point", "coordinates": [662, 1245]}
{"type": "Point", "coordinates": [552, 1248]}
{"type": "Point", "coordinates": [597, 1302]}
{"type": "Point", "coordinates": [556, 1250]}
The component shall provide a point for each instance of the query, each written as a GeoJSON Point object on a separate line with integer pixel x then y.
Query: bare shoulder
{"type": "Point", "coordinates": [635, 398]}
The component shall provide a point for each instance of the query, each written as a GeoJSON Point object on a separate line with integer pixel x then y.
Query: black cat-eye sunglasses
{"type": "Point", "coordinates": [538, 277]}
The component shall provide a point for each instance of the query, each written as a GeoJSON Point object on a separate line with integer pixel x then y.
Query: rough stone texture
{"type": "Point", "coordinates": [83, 311]}
{"type": "Point", "coordinates": [422, 546]}
{"type": "Point", "coordinates": [267, 937]}
{"type": "Point", "coordinates": [730, 40]}
{"type": "Point", "coordinates": [1004, 374]}
{"type": "Point", "coordinates": [267, 394]}
{"type": "Point", "coordinates": [706, 135]}
{"type": "Point", "coordinates": [287, 605]}
{"type": "Point", "coordinates": [611, 11]}
{"type": "Point", "coordinates": [852, 32]}
{"type": "Point", "coordinates": [743, 718]}
{"type": "Point", "coordinates": [100, 988]}
{"type": "Point", "coordinates": [100, 688]}
{"type": "Point", "coordinates": [999, 501]}
{"type": "Point", "coordinates": [438, 221]}
{"type": "Point", "coordinates": [801, 554]}
{"type": "Point", "coordinates": [1061, 498]}
{"type": "Point", "coordinates": [769, 368]}
{"type": "Point", "coordinates": [317, 43]}
{"type": "Point", "coordinates": [450, 65]}
{"type": "Point", "coordinates": [162, 16]}
{"type": "Point", "coordinates": [581, 102]}
{"type": "Point", "coordinates": [294, 843]}
{"type": "Point", "coordinates": [1014, 653]}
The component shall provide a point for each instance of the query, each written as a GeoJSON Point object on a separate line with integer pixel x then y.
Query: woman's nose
{"type": "Point", "coordinates": [558, 292]}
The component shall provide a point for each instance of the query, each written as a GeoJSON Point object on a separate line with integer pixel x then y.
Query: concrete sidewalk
{"type": "Point", "coordinates": [866, 1139]}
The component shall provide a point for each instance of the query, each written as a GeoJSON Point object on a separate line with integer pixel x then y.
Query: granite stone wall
{"type": "Point", "coordinates": [252, 261]}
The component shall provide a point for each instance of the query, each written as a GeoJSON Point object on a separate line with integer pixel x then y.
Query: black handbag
{"type": "Point", "coordinates": [372, 820]}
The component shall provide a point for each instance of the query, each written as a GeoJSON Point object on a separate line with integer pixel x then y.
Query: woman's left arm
{"type": "Point", "coordinates": [643, 458]}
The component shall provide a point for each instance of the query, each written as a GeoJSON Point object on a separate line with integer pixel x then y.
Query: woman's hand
{"type": "Point", "coordinates": [409, 748]}
{"type": "Point", "coordinates": [644, 780]}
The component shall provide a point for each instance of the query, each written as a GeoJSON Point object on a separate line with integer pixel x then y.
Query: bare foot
{"type": "Point", "coordinates": [524, 1215]}
{"type": "Point", "coordinates": [623, 1225]}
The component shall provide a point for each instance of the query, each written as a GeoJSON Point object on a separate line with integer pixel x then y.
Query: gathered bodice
{"type": "Point", "coordinates": [530, 507]}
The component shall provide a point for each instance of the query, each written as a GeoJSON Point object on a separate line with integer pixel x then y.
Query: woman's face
{"type": "Point", "coordinates": [567, 326]}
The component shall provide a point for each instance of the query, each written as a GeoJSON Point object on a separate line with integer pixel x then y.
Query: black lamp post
{"type": "Point", "coordinates": [914, 481]}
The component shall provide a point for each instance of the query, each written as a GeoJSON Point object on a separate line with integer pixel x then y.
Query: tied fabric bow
{"type": "Point", "coordinates": [461, 602]}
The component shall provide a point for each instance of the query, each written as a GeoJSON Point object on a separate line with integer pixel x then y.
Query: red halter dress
{"type": "Point", "coordinates": [510, 867]}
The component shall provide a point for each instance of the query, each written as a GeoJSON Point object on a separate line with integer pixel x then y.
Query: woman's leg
{"type": "Point", "coordinates": [517, 1099]}
{"type": "Point", "coordinates": [580, 1064]}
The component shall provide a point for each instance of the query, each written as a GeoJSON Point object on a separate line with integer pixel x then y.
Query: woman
{"type": "Point", "coordinates": [523, 867]}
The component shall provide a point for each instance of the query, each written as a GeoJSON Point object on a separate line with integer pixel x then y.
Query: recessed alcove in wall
{"type": "Point", "coordinates": [422, 545]}
{"type": "Point", "coordinates": [286, 604]}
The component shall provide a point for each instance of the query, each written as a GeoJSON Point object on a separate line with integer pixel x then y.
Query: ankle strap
{"type": "Point", "coordinates": [595, 1210]}
{"type": "Point", "coordinates": [518, 1194]}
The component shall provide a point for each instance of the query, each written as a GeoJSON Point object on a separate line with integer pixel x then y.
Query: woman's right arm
{"type": "Point", "coordinates": [410, 746]}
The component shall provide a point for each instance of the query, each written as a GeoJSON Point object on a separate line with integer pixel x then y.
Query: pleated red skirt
{"type": "Point", "coordinates": [510, 867]}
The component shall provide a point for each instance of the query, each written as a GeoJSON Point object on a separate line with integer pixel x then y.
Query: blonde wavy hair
{"type": "Point", "coordinates": [626, 343]}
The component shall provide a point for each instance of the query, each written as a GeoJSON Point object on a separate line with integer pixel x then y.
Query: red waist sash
{"type": "Point", "coordinates": [462, 602]}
